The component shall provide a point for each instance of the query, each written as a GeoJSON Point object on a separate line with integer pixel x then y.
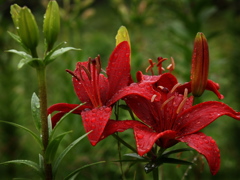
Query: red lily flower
{"type": "Point", "coordinates": [100, 93]}
{"type": "Point", "coordinates": [174, 119]}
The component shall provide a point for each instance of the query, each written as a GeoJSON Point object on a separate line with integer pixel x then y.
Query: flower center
{"type": "Point", "coordinates": [88, 76]}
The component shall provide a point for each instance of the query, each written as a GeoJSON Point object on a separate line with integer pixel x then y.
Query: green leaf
{"type": "Point", "coordinates": [74, 174]}
{"type": "Point", "coordinates": [57, 51]}
{"type": "Point", "coordinates": [166, 154]}
{"type": "Point", "coordinates": [31, 164]}
{"type": "Point", "coordinates": [35, 107]}
{"type": "Point", "coordinates": [41, 161]}
{"type": "Point", "coordinates": [27, 59]}
{"type": "Point", "coordinates": [65, 151]}
{"type": "Point", "coordinates": [53, 146]}
{"type": "Point", "coordinates": [134, 155]}
{"type": "Point", "coordinates": [26, 129]}
{"type": "Point", "coordinates": [149, 167]}
{"type": "Point", "coordinates": [20, 53]}
{"type": "Point", "coordinates": [18, 39]}
{"type": "Point", "coordinates": [60, 121]}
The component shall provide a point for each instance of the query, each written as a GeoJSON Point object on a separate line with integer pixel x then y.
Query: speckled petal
{"type": "Point", "coordinates": [201, 115]}
{"type": "Point", "coordinates": [206, 146]}
{"type": "Point", "coordinates": [118, 126]}
{"type": "Point", "coordinates": [146, 137]}
{"type": "Point", "coordinates": [118, 70]}
{"type": "Point", "coordinates": [95, 120]}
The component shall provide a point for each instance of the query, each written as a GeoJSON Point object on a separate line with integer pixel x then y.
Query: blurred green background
{"type": "Point", "coordinates": [157, 28]}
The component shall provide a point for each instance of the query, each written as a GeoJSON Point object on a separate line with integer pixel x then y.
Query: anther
{"type": "Point", "coordinates": [163, 89]}
{"type": "Point", "coordinates": [86, 71]}
{"type": "Point", "coordinates": [167, 101]}
{"type": "Point", "coordinates": [150, 66]}
{"type": "Point", "coordinates": [171, 66]}
{"type": "Point", "coordinates": [153, 97]}
{"type": "Point", "coordinates": [73, 74]}
{"type": "Point", "coordinates": [175, 87]}
{"type": "Point", "coordinates": [183, 101]}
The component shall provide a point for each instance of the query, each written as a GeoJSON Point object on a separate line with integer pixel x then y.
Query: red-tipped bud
{"type": "Point", "coordinates": [200, 65]}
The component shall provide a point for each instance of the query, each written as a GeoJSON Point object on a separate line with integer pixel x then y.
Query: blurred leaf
{"type": "Point", "coordinates": [65, 151]}
{"type": "Point", "coordinates": [74, 174]}
{"type": "Point", "coordinates": [53, 146]}
{"type": "Point", "coordinates": [26, 129]}
{"type": "Point", "coordinates": [149, 167]}
{"type": "Point", "coordinates": [165, 154]}
{"type": "Point", "coordinates": [41, 163]}
{"type": "Point", "coordinates": [35, 107]}
{"type": "Point", "coordinates": [134, 155]}
{"type": "Point", "coordinates": [18, 39]}
{"type": "Point", "coordinates": [31, 164]}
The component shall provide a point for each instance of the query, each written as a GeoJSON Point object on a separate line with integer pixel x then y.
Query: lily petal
{"type": "Point", "coordinates": [95, 119]}
{"type": "Point", "coordinates": [118, 70]}
{"type": "Point", "coordinates": [118, 126]}
{"type": "Point", "coordinates": [201, 115]}
{"type": "Point", "coordinates": [146, 137]}
{"type": "Point", "coordinates": [206, 146]}
{"type": "Point", "coordinates": [64, 108]}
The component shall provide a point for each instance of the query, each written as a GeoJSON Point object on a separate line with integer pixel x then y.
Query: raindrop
{"type": "Point", "coordinates": [140, 136]}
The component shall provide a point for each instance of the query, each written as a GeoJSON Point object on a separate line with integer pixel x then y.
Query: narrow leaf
{"type": "Point", "coordinates": [35, 107]}
{"type": "Point", "coordinates": [20, 53]}
{"type": "Point", "coordinates": [61, 120]}
{"type": "Point", "coordinates": [26, 129]}
{"type": "Point", "coordinates": [59, 52]}
{"type": "Point", "coordinates": [53, 146]}
{"type": "Point", "coordinates": [31, 164]}
{"type": "Point", "coordinates": [65, 151]}
{"type": "Point", "coordinates": [18, 39]}
{"type": "Point", "coordinates": [74, 174]}
{"type": "Point", "coordinates": [134, 155]}
{"type": "Point", "coordinates": [165, 154]}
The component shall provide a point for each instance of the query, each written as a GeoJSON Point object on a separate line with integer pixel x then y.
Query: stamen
{"type": "Point", "coordinates": [163, 89]}
{"type": "Point", "coordinates": [98, 60]}
{"type": "Point", "coordinates": [86, 71]}
{"type": "Point", "coordinates": [171, 66]}
{"type": "Point", "coordinates": [167, 101]}
{"type": "Point", "coordinates": [153, 97]}
{"type": "Point", "coordinates": [159, 64]}
{"type": "Point", "coordinates": [175, 87]}
{"type": "Point", "coordinates": [183, 101]}
{"type": "Point", "coordinates": [150, 66]}
{"type": "Point", "coordinates": [73, 74]}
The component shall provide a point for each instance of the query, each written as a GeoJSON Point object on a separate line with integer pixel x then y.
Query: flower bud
{"type": "Point", "coordinates": [51, 24]}
{"type": "Point", "coordinates": [122, 35]}
{"type": "Point", "coordinates": [28, 29]}
{"type": "Point", "coordinates": [15, 9]}
{"type": "Point", "coordinates": [200, 65]}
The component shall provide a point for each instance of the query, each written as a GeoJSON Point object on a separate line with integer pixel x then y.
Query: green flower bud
{"type": "Point", "coordinates": [28, 29]}
{"type": "Point", "coordinates": [122, 35]}
{"type": "Point", "coordinates": [200, 65]}
{"type": "Point", "coordinates": [14, 10]}
{"type": "Point", "coordinates": [51, 24]}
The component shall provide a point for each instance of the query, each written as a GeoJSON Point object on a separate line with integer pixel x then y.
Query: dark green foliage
{"type": "Point", "coordinates": [167, 30]}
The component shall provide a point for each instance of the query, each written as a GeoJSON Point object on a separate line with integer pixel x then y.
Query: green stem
{"type": "Point", "coordinates": [43, 109]}
{"type": "Point", "coordinates": [155, 174]}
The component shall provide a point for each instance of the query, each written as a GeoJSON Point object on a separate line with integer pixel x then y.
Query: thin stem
{"type": "Point", "coordinates": [155, 174]}
{"type": "Point", "coordinates": [119, 144]}
{"type": "Point", "coordinates": [44, 120]}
